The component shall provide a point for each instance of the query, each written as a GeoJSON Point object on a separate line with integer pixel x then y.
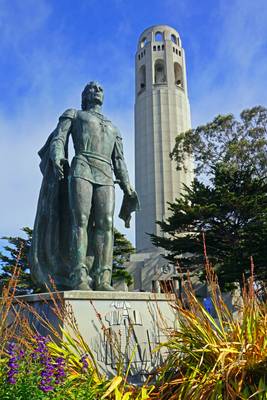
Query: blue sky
{"type": "Point", "coordinates": [51, 48]}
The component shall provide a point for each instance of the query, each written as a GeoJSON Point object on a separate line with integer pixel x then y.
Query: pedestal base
{"type": "Point", "coordinates": [135, 318]}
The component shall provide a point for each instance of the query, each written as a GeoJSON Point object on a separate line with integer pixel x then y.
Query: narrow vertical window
{"type": "Point", "coordinates": [142, 78]}
{"type": "Point", "coordinates": [159, 72]}
{"type": "Point", "coordinates": [178, 75]}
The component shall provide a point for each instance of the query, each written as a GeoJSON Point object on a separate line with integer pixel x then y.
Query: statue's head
{"type": "Point", "coordinates": [92, 94]}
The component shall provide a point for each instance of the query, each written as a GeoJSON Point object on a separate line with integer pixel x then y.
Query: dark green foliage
{"type": "Point", "coordinates": [230, 205]}
{"type": "Point", "coordinates": [16, 253]}
{"type": "Point", "coordinates": [121, 253]}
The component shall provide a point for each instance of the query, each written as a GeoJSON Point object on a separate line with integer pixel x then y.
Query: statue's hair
{"type": "Point", "coordinates": [84, 93]}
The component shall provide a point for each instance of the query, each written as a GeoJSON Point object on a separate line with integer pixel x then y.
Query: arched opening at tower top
{"type": "Point", "coordinates": [158, 36]}
{"type": "Point", "coordinates": [174, 39]}
{"type": "Point", "coordinates": [142, 78]}
{"type": "Point", "coordinates": [159, 72]}
{"type": "Point", "coordinates": [178, 75]}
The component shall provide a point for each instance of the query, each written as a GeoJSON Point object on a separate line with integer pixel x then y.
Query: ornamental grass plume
{"type": "Point", "coordinates": [222, 358]}
{"type": "Point", "coordinates": [9, 326]}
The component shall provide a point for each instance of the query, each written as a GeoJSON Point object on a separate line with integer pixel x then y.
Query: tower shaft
{"type": "Point", "coordinates": [161, 112]}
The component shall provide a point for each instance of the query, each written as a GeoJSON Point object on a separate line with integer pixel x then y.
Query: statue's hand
{"type": "Point", "coordinates": [129, 191]}
{"type": "Point", "coordinates": [58, 166]}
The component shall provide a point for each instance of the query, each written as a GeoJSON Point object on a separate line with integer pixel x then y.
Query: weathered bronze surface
{"type": "Point", "coordinates": [73, 231]}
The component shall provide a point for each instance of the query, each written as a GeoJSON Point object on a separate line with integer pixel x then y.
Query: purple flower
{"type": "Point", "coordinates": [59, 370]}
{"type": "Point", "coordinates": [41, 353]}
{"type": "Point", "coordinates": [46, 388]}
{"type": "Point", "coordinates": [12, 364]}
{"type": "Point", "coordinates": [21, 353]}
{"type": "Point", "coordinates": [12, 380]}
{"type": "Point", "coordinates": [84, 362]}
{"type": "Point", "coordinates": [11, 348]}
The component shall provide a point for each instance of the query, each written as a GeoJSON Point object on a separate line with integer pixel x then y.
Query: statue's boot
{"type": "Point", "coordinates": [104, 280]}
{"type": "Point", "coordinates": [80, 279]}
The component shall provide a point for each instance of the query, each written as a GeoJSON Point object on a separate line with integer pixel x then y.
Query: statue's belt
{"type": "Point", "coordinates": [86, 156]}
{"type": "Point", "coordinates": [94, 155]}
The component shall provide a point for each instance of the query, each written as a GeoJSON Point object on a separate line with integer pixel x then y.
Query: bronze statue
{"type": "Point", "coordinates": [73, 231]}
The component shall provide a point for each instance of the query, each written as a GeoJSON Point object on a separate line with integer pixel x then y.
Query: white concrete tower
{"type": "Point", "coordinates": [161, 112]}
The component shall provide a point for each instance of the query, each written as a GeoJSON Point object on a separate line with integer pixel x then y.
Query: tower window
{"type": "Point", "coordinates": [179, 53]}
{"type": "Point", "coordinates": [158, 36]}
{"type": "Point", "coordinates": [176, 51]}
{"type": "Point", "coordinates": [142, 78]}
{"type": "Point", "coordinates": [143, 42]}
{"type": "Point", "coordinates": [154, 48]}
{"type": "Point", "coordinates": [162, 47]}
{"type": "Point", "coordinates": [142, 55]}
{"type": "Point", "coordinates": [144, 51]}
{"type": "Point", "coordinates": [174, 39]}
{"type": "Point", "coordinates": [160, 76]}
{"type": "Point", "coordinates": [139, 57]}
{"type": "Point", "coordinates": [173, 49]}
{"type": "Point", "coordinates": [178, 75]}
{"type": "Point", "coordinates": [178, 42]}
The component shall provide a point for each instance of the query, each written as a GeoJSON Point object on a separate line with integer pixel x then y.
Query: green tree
{"type": "Point", "coordinates": [239, 144]}
{"type": "Point", "coordinates": [121, 253]}
{"type": "Point", "coordinates": [227, 200]}
{"type": "Point", "coordinates": [16, 253]}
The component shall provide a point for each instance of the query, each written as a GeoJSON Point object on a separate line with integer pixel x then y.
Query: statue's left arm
{"type": "Point", "coordinates": [59, 141]}
{"type": "Point", "coordinates": [119, 165]}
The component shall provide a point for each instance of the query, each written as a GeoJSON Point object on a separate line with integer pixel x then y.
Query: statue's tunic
{"type": "Point", "coordinates": [97, 144]}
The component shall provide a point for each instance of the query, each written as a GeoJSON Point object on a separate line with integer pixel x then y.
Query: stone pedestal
{"type": "Point", "coordinates": [136, 319]}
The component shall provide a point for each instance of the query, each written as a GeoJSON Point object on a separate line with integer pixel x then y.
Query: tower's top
{"type": "Point", "coordinates": [159, 33]}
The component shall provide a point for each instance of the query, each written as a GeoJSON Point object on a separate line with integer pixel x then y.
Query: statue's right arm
{"type": "Point", "coordinates": [57, 145]}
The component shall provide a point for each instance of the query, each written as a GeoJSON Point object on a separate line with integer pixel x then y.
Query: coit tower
{"type": "Point", "coordinates": [161, 111]}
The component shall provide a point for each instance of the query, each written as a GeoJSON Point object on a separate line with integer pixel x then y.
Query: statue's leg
{"type": "Point", "coordinates": [80, 194]}
{"type": "Point", "coordinates": [103, 200]}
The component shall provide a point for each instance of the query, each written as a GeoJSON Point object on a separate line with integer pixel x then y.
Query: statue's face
{"type": "Point", "coordinates": [94, 94]}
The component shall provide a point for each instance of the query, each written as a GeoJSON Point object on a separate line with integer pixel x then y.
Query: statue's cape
{"type": "Point", "coordinates": [49, 255]}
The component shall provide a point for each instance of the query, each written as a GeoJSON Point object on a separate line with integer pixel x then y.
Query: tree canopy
{"type": "Point", "coordinates": [16, 254]}
{"type": "Point", "coordinates": [239, 144]}
{"type": "Point", "coordinates": [121, 253]}
{"type": "Point", "coordinates": [227, 201]}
